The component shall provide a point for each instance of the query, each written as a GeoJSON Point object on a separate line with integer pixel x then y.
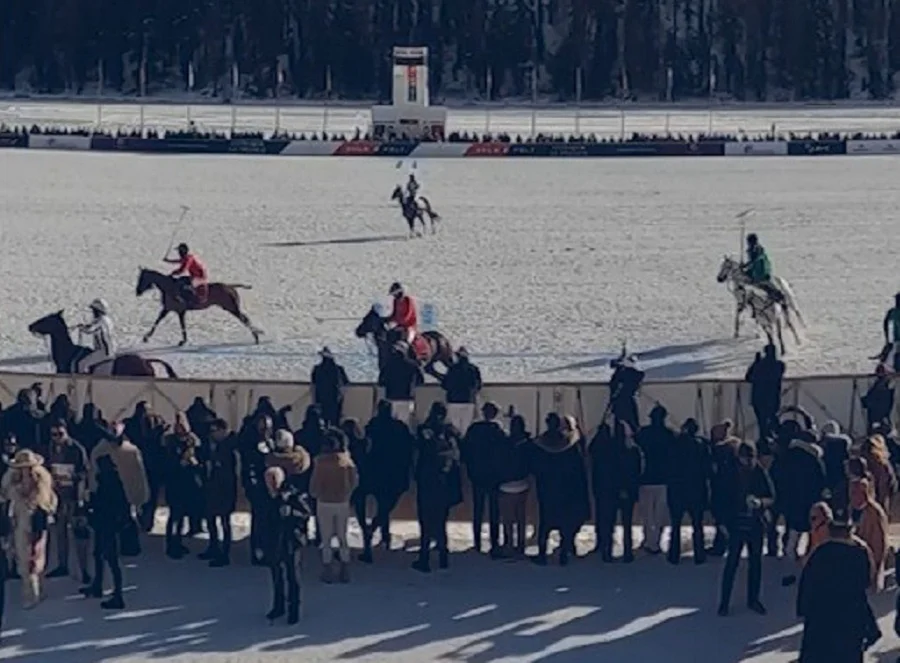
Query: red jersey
{"type": "Point", "coordinates": [404, 314]}
{"type": "Point", "coordinates": [192, 266]}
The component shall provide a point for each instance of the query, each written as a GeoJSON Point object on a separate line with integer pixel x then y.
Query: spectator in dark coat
{"type": "Point", "coordinates": [751, 493]}
{"type": "Point", "coordinates": [461, 384]}
{"type": "Point", "coordinates": [61, 410]}
{"type": "Point", "coordinates": [765, 375]}
{"type": "Point", "coordinates": [480, 449]}
{"type": "Point", "coordinates": [256, 442]}
{"type": "Point", "coordinates": [220, 491]}
{"type": "Point", "coordinates": [91, 429]}
{"type": "Point", "coordinates": [147, 431]}
{"type": "Point", "coordinates": [617, 464]}
{"type": "Point", "coordinates": [557, 463]}
{"type": "Point", "coordinates": [656, 441]}
{"type": "Point", "coordinates": [329, 380]}
{"type": "Point", "coordinates": [512, 464]}
{"type": "Point", "coordinates": [24, 420]}
{"type": "Point", "coordinates": [838, 622]}
{"type": "Point", "coordinates": [285, 515]}
{"type": "Point", "coordinates": [184, 488]}
{"type": "Point", "coordinates": [835, 452]}
{"type": "Point", "coordinates": [878, 401]}
{"type": "Point", "coordinates": [200, 417]}
{"type": "Point", "coordinates": [724, 468]}
{"type": "Point", "coordinates": [390, 460]}
{"type": "Point", "coordinates": [399, 377]}
{"type": "Point", "coordinates": [688, 489]}
{"type": "Point", "coordinates": [438, 484]}
{"type": "Point", "coordinates": [800, 481]}
{"type": "Point", "coordinates": [623, 387]}
{"type": "Point", "coordinates": [110, 513]}
{"type": "Point", "coordinates": [311, 436]}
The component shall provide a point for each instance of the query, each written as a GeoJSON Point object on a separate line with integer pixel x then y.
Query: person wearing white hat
{"type": "Point", "coordinates": [28, 486]}
{"type": "Point", "coordinates": [100, 329]}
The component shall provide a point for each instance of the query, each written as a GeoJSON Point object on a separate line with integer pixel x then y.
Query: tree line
{"type": "Point", "coordinates": [775, 50]}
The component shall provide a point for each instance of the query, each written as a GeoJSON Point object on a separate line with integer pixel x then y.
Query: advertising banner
{"type": "Point", "coordinates": [767, 148]}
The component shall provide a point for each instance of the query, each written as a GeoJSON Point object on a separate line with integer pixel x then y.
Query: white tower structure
{"type": "Point", "coordinates": [409, 114]}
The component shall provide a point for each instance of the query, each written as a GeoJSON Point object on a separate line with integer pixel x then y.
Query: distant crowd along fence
{"type": "Point", "coordinates": [708, 401]}
{"type": "Point", "coordinates": [420, 150]}
{"type": "Point", "coordinates": [526, 121]}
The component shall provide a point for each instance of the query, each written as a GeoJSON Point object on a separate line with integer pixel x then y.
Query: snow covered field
{"type": "Point", "coordinates": [560, 120]}
{"type": "Point", "coordinates": [541, 267]}
{"type": "Point", "coordinates": [478, 612]}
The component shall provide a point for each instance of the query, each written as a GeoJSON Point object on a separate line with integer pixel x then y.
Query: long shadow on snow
{"type": "Point", "coordinates": [673, 370]}
{"type": "Point", "coordinates": [338, 241]}
{"type": "Point", "coordinates": [480, 611]}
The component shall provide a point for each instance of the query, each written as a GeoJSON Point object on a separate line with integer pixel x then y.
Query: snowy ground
{"type": "Point", "coordinates": [345, 119]}
{"type": "Point", "coordinates": [540, 267]}
{"type": "Point", "coordinates": [478, 612]}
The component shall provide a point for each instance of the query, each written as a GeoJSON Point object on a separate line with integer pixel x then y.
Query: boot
{"type": "Point", "coordinates": [219, 562]}
{"type": "Point", "coordinates": [327, 574]}
{"type": "Point", "coordinates": [92, 591]}
{"type": "Point", "coordinates": [344, 573]}
{"type": "Point", "coordinates": [59, 572]}
{"type": "Point", "coordinates": [293, 614]}
{"type": "Point", "coordinates": [209, 554]}
{"type": "Point", "coordinates": [114, 603]}
{"type": "Point", "coordinates": [277, 609]}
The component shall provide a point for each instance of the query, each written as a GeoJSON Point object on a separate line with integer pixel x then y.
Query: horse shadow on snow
{"type": "Point", "coordinates": [676, 361]}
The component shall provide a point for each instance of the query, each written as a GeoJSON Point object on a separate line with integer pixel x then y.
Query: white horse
{"type": "Point", "coordinates": [767, 312]}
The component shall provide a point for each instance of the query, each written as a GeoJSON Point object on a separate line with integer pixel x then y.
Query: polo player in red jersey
{"type": "Point", "coordinates": [193, 282]}
{"type": "Point", "coordinates": [404, 317]}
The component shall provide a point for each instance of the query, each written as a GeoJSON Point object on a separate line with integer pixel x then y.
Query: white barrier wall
{"type": "Point", "coordinates": [708, 401]}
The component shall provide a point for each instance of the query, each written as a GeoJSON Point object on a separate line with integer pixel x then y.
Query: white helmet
{"type": "Point", "coordinates": [100, 306]}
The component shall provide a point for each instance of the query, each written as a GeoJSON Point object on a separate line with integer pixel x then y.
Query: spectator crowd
{"type": "Point", "coordinates": [195, 133]}
{"type": "Point", "coordinates": [808, 495]}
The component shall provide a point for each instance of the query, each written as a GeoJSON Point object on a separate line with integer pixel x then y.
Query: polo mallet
{"type": "Point", "coordinates": [184, 210]}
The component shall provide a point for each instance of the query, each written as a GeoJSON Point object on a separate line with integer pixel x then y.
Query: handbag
{"type": "Point", "coordinates": [130, 539]}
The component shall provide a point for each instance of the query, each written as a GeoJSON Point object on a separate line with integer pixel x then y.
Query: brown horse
{"type": "Point", "coordinates": [223, 295]}
{"type": "Point", "coordinates": [440, 349]}
{"type": "Point", "coordinates": [66, 354]}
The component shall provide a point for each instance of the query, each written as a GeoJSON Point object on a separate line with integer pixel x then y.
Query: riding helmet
{"type": "Point", "coordinates": [752, 238]}
{"type": "Point", "coordinates": [396, 288]}
{"type": "Point", "coordinates": [100, 306]}
{"type": "Point", "coordinates": [183, 248]}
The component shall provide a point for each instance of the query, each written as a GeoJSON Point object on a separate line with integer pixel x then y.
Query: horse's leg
{"type": "Point", "coordinates": [737, 320]}
{"type": "Point", "coordinates": [411, 222]}
{"type": "Point", "coordinates": [245, 320]}
{"type": "Point", "coordinates": [790, 323]}
{"type": "Point", "coordinates": [183, 328]}
{"type": "Point", "coordinates": [162, 316]}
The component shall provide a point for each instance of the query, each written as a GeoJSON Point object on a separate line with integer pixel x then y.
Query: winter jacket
{"type": "Point", "coordinates": [68, 465]}
{"type": "Point", "coordinates": [800, 480]}
{"type": "Point", "coordinates": [334, 478]}
{"type": "Point", "coordinates": [462, 382]}
{"type": "Point", "coordinates": [437, 471]}
{"type": "Point", "coordinates": [400, 377]}
{"type": "Point", "coordinates": [616, 467]}
{"type": "Point", "coordinates": [656, 441]}
{"type": "Point", "coordinates": [390, 455]}
{"type": "Point", "coordinates": [557, 462]}
{"type": "Point", "coordinates": [329, 381]}
{"type": "Point", "coordinates": [690, 466]}
{"type": "Point", "coordinates": [220, 476]}
{"type": "Point", "coordinates": [481, 448]}
{"type": "Point", "coordinates": [130, 466]}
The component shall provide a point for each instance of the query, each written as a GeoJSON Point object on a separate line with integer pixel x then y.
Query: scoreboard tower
{"type": "Point", "coordinates": [409, 114]}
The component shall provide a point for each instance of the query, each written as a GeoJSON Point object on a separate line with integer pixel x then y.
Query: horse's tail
{"type": "Point", "coordinates": [428, 210]}
{"type": "Point", "coordinates": [790, 300]}
{"type": "Point", "coordinates": [170, 372]}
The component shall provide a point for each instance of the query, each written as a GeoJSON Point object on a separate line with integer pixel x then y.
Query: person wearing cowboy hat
{"type": "Point", "coordinates": [329, 380]}
{"type": "Point", "coordinates": [100, 329]}
{"type": "Point", "coordinates": [28, 486]}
